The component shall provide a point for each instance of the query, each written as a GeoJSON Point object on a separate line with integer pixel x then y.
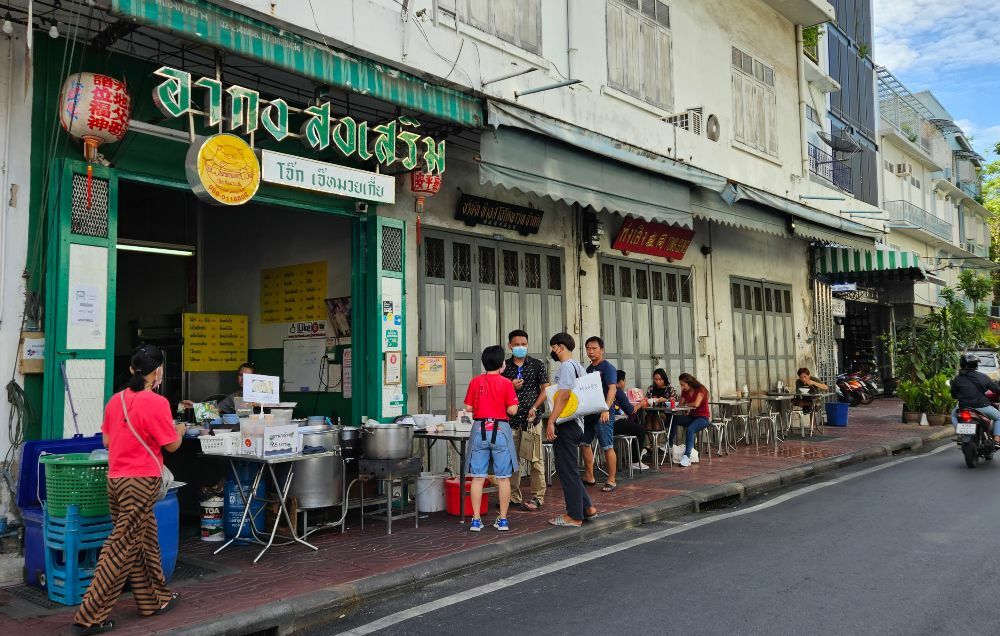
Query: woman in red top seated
{"type": "Point", "coordinates": [137, 423]}
{"type": "Point", "coordinates": [693, 395]}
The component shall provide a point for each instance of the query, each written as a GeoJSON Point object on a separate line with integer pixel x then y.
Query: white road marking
{"type": "Point", "coordinates": [487, 588]}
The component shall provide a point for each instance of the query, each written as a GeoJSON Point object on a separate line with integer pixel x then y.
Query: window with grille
{"type": "Point", "coordinates": [639, 50]}
{"type": "Point", "coordinates": [89, 213]}
{"type": "Point", "coordinates": [518, 22]}
{"type": "Point", "coordinates": [755, 104]}
{"type": "Point", "coordinates": [392, 249]}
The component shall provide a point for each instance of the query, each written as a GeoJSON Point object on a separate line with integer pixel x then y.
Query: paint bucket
{"type": "Point", "coordinates": [211, 519]}
{"type": "Point", "coordinates": [430, 492]}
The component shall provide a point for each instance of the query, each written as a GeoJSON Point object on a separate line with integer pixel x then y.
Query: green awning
{"type": "Point", "coordinates": [841, 264]}
{"type": "Point", "coordinates": [206, 23]}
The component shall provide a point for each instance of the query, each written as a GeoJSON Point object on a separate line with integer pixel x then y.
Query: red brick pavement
{"type": "Point", "coordinates": [287, 571]}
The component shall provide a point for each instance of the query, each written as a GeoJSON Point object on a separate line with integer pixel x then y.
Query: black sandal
{"type": "Point", "coordinates": [589, 484]}
{"type": "Point", "coordinates": [534, 502]}
{"type": "Point", "coordinates": [99, 628]}
{"type": "Point", "coordinates": [171, 604]}
{"type": "Point", "coordinates": [609, 487]}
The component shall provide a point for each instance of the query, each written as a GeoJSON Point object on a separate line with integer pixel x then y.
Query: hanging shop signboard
{"type": "Point", "coordinates": [655, 239]}
{"type": "Point", "coordinates": [309, 174]}
{"type": "Point", "coordinates": [475, 210]}
{"type": "Point", "coordinates": [223, 170]}
{"type": "Point", "coordinates": [247, 112]}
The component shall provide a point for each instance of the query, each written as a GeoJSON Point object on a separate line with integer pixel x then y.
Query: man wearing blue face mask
{"type": "Point", "coordinates": [530, 377]}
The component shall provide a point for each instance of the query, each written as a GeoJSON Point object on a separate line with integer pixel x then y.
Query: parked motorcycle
{"type": "Point", "coordinates": [853, 390]}
{"type": "Point", "coordinates": [975, 436]}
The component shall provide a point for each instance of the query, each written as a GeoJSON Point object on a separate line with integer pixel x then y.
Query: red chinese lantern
{"type": "Point", "coordinates": [96, 110]}
{"type": "Point", "coordinates": [423, 184]}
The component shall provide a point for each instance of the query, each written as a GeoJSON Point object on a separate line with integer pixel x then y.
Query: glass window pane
{"type": "Point", "coordinates": [533, 271]}
{"type": "Point", "coordinates": [747, 304]}
{"type": "Point", "coordinates": [648, 7]}
{"type": "Point", "coordinates": [608, 279]}
{"type": "Point", "coordinates": [768, 300]}
{"type": "Point", "coordinates": [641, 285]}
{"type": "Point", "coordinates": [777, 301]}
{"type": "Point", "coordinates": [671, 288]}
{"type": "Point", "coordinates": [685, 288]}
{"type": "Point", "coordinates": [626, 274]}
{"type": "Point", "coordinates": [461, 262]}
{"type": "Point", "coordinates": [662, 14]}
{"type": "Point", "coordinates": [555, 272]}
{"type": "Point", "coordinates": [434, 258]}
{"type": "Point", "coordinates": [758, 301]}
{"type": "Point", "coordinates": [737, 297]}
{"type": "Point", "coordinates": [657, 286]}
{"type": "Point", "coordinates": [788, 302]}
{"type": "Point", "coordinates": [510, 273]}
{"type": "Point", "coordinates": [487, 265]}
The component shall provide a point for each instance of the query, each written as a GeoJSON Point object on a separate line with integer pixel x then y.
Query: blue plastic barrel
{"type": "Point", "coordinates": [167, 513]}
{"type": "Point", "coordinates": [233, 505]}
{"type": "Point", "coordinates": [836, 413]}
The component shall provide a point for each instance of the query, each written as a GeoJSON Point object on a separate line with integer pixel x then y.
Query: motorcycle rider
{"type": "Point", "coordinates": [970, 386]}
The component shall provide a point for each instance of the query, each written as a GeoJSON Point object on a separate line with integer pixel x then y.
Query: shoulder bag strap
{"type": "Point", "coordinates": [132, 428]}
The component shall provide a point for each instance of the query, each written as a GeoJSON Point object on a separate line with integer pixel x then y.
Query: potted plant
{"type": "Point", "coordinates": [912, 395]}
{"type": "Point", "coordinates": [939, 400]}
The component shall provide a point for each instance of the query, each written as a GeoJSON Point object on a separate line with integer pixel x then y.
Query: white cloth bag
{"type": "Point", "coordinates": [586, 398]}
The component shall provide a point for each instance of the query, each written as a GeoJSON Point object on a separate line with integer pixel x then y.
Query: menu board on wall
{"type": "Point", "coordinates": [293, 293]}
{"type": "Point", "coordinates": [214, 342]}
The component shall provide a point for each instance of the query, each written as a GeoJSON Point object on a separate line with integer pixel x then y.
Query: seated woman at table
{"type": "Point", "coordinates": [658, 394]}
{"type": "Point", "coordinates": [804, 381]}
{"type": "Point", "coordinates": [693, 395]}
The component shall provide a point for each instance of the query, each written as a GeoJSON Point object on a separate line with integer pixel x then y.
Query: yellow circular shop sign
{"type": "Point", "coordinates": [223, 169]}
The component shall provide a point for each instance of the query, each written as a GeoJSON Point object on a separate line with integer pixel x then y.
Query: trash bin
{"type": "Point", "coordinates": [836, 413]}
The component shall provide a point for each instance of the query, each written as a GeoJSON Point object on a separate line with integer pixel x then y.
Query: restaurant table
{"type": "Point", "coordinates": [661, 412]}
{"type": "Point", "coordinates": [451, 437]}
{"type": "Point", "coordinates": [267, 464]}
{"type": "Point", "coordinates": [784, 401]}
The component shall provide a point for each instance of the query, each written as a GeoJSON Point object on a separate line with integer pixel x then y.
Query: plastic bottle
{"type": "Point", "coordinates": [746, 391]}
{"type": "Point", "coordinates": [673, 402]}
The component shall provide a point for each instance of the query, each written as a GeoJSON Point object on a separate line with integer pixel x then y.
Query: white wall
{"type": "Point", "coordinates": [15, 149]}
{"type": "Point", "coordinates": [702, 33]}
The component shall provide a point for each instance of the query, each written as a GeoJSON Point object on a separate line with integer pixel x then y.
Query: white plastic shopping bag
{"type": "Point", "coordinates": [586, 398]}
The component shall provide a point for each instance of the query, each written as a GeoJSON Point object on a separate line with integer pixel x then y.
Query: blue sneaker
{"type": "Point", "coordinates": [476, 525]}
{"type": "Point", "coordinates": [501, 525]}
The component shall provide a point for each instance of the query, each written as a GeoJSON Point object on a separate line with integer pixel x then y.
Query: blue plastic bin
{"type": "Point", "coordinates": [836, 413]}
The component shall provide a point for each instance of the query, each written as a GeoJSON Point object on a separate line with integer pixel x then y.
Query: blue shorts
{"type": "Point", "coordinates": [605, 432]}
{"type": "Point", "coordinates": [503, 452]}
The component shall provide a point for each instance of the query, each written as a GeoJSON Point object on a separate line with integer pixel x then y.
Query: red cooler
{"type": "Point", "coordinates": [451, 498]}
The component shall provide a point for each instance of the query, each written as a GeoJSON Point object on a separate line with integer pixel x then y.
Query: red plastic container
{"type": "Point", "coordinates": [451, 502]}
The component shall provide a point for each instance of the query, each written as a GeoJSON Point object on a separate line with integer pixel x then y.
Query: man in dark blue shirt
{"type": "Point", "coordinates": [601, 424]}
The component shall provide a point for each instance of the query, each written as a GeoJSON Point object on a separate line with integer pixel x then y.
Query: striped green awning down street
{"type": "Point", "coordinates": [222, 28]}
{"type": "Point", "coordinates": [839, 262]}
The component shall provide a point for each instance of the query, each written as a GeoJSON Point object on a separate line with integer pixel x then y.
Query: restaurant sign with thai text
{"type": "Point", "coordinates": [246, 112]}
{"type": "Point", "coordinates": [319, 176]}
{"type": "Point", "coordinates": [655, 239]}
{"type": "Point", "coordinates": [475, 210]}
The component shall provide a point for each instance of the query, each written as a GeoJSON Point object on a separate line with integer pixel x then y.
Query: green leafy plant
{"type": "Point", "coordinates": [811, 37]}
{"type": "Point", "coordinates": [864, 50]}
{"type": "Point", "coordinates": [938, 395]}
{"type": "Point", "coordinates": [912, 395]}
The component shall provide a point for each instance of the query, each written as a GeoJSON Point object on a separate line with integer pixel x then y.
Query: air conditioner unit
{"type": "Point", "coordinates": [690, 120]}
{"type": "Point", "coordinates": [904, 169]}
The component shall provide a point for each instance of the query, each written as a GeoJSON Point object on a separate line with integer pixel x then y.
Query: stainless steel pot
{"type": "Point", "coordinates": [319, 482]}
{"type": "Point", "coordinates": [388, 441]}
{"type": "Point", "coordinates": [350, 442]}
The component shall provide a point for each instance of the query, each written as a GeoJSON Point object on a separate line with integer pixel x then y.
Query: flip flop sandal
{"type": "Point", "coordinates": [609, 487]}
{"type": "Point", "coordinates": [171, 604]}
{"type": "Point", "coordinates": [561, 522]}
{"type": "Point", "coordinates": [99, 628]}
{"type": "Point", "coordinates": [587, 517]}
{"type": "Point", "coordinates": [533, 505]}
{"type": "Point", "coordinates": [589, 484]}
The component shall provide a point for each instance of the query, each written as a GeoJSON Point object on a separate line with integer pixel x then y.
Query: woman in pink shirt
{"type": "Point", "coordinates": [137, 423]}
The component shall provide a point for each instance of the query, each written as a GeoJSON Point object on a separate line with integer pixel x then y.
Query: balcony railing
{"type": "Point", "coordinates": [824, 165]}
{"type": "Point", "coordinates": [911, 215]}
{"type": "Point", "coordinates": [971, 188]}
{"type": "Point", "coordinates": [976, 248]}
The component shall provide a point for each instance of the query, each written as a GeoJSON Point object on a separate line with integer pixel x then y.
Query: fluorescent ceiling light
{"type": "Point", "coordinates": [156, 248]}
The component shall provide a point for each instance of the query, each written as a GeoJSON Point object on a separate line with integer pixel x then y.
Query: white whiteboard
{"type": "Point", "coordinates": [303, 364]}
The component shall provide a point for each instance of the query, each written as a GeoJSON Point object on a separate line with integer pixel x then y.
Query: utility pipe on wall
{"type": "Point", "coordinates": [801, 71]}
{"type": "Point", "coordinates": [571, 50]}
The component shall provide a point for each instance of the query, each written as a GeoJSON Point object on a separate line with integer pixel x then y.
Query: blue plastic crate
{"type": "Point", "coordinates": [72, 548]}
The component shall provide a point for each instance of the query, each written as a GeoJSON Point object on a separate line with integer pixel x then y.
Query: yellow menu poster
{"type": "Point", "coordinates": [293, 293]}
{"type": "Point", "coordinates": [214, 342]}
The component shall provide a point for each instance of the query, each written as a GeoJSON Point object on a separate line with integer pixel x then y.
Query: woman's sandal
{"type": "Point", "coordinates": [587, 517]}
{"type": "Point", "coordinates": [588, 484]}
{"type": "Point", "coordinates": [532, 505]}
{"type": "Point", "coordinates": [562, 523]}
{"type": "Point", "coordinates": [171, 604]}
{"type": "Point", "coordinates": [99, 628]}
{"type": "Point", "coordinates": [607, 487]}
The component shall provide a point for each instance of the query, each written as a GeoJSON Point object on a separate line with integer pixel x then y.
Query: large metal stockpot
{"type": "Point", "coordinates": [319, 482]}
{"type": "Point", "coordinates": [388, 441]}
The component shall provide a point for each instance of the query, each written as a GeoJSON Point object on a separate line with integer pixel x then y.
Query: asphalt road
{"type": "Point", "coordinates": [899, 547]}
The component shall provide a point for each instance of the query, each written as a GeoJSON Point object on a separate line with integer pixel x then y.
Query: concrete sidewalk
{"type": "Point", "coordinates": [292, 587]}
